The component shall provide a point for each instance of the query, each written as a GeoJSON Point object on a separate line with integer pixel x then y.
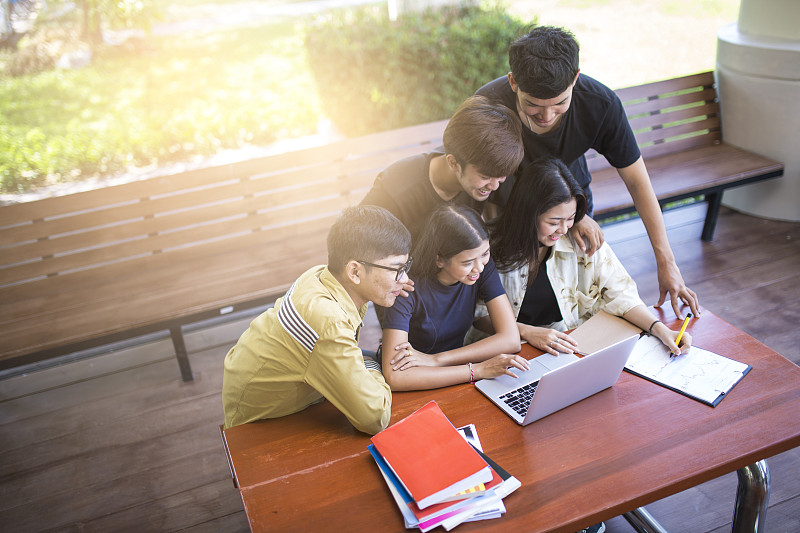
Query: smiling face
{"type": "Point", "coordinates": [541, 115]}
{"type": "Point", "coordinates": [464, 267]}
{"type": "Point", "coordinates": [468, 178]}
{"type": "Point", "coordinates": [477, 185]}
{"type": "Point", "coordinates": [556, 222]}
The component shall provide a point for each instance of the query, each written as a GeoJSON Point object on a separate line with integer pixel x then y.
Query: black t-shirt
{"type": "Point", "coordinates": [595, 119]}
{"type": "Point", "coordinates": [404, 188]}
{"type": "Point", "coordinates": [540, 307]}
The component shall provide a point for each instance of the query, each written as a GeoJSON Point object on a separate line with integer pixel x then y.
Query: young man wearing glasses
{"type": "Point", "coordinates": [305, 348]}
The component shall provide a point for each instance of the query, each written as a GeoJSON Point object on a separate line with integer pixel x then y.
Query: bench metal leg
{"type": "Point", "coordinates": [714, 200]}
{"type": "Point", "coordinates": [752, 498]}
{"type": "Point", "coordinates": [643, 522]}
{"type": "Point", "coordinates": [176, 333]}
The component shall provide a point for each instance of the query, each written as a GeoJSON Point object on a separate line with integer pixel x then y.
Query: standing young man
{"type": "Point", "coordinates": [563, 113]}
{"type": "Point", "coordinates": [481, 145]}
{"type": "Point", "coordinates": [305, 348]}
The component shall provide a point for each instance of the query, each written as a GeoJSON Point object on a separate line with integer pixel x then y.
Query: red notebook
{"type": "Point", "coordinates": [431, 459]}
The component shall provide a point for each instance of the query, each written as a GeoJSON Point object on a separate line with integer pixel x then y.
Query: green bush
{"type": "Point", "coordinates": [168, 99]}
{"type": "Point", "coordinates": [374, 74]}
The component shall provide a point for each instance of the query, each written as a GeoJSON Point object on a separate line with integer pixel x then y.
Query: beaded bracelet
{"type": "Point", "coordinates": [650, 329]}
{"type": "Point", "coordinates": [471, 373]}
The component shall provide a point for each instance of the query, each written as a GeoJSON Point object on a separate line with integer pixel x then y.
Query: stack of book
{"type": "Point", "coordinates": [438, 475]}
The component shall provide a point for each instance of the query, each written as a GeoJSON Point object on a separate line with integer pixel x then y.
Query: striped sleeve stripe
{"type": "Point", "coordinates": [290, 319]}
{"type": "Point", "coordinates": [372, 364]}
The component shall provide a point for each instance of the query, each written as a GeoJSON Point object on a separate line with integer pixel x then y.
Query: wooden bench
{"type": "Point", "coordinates": [678, 128]}
{"type": "Point", "coordinates": [90, 268]}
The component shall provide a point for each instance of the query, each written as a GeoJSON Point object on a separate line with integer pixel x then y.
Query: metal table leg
{"type": "Point", "coordinates": [643, 522]}
{"type": "Point", "coordinates": [749, 512]}
{"type": "Point", "coordinates": [752, 498]}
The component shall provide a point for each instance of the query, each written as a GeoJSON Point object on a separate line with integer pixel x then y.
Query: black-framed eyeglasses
{"type": "Point", "coordinates": [403, 269]}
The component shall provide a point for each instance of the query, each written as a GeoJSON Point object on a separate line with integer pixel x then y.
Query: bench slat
{"type": "Point", "coordinates": [633, 110]}
{"type": "Point", "coordinates": [416, 138]}
{"type": "Point", "coordinates": [214, 256]}
{"type": "Point", "coordinates": [662, 121]}
{"type": "Point", "coordinates": [649, 90]}
{"type": "Point", "coordinates": [220, 229]}
{"type": "Point", "coordinates": [113, 243]}
{"type": "Point", "coordinates": [700, 126]}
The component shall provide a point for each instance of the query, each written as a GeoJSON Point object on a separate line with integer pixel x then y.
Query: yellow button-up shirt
{"type": "Point", "coordinates": [300, 351]}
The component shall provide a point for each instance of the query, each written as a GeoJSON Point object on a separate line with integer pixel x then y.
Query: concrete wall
{"type": "Point", "coordinates": [758, 75]}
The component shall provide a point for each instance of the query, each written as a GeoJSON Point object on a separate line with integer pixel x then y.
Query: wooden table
{"type": "Point", "coordinates": [610, 454]}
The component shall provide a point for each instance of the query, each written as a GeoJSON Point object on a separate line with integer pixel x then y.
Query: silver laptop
{"type": "Point", "coordinates": [553, 383]}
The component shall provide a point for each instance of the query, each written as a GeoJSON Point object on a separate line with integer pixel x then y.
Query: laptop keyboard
{"type": "Point", "coordinates": [520, 399]}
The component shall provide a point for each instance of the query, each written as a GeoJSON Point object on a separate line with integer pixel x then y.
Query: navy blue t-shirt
{"type": "Point", "coordinates": [437, 316]}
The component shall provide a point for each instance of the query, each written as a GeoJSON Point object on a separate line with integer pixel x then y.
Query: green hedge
{"type": "Point", "coordinates": [374, 74]}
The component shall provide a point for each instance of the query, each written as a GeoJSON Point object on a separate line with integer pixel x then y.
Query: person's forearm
{"type": "Point", "coordinates": [427, 377]}
{"type": "Point", "coordinates": [505, 342]}
{"type": "Point", "coordinates": [644, 198]}
{"type": "Point", "coordinates": [640, 316]}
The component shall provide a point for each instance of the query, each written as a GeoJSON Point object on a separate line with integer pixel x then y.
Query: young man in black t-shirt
{"type": "Point", "coordinates": [564, 113]}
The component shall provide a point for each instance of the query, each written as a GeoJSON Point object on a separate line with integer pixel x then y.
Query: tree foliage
{"type": "Point", "coordinates": [375, 74]}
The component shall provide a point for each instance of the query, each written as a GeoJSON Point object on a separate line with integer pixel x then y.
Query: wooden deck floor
{"type": "Point", "coordinates": [117, 442]}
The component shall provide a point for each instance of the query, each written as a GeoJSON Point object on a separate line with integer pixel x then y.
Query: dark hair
{"type": "Point", "coordinates": [450, 230]}
{"type": "Point", "coordinates": [542, 185]}
{"type": "Point", "coordinates": [545, 61]}
{"type": "Point", "coordinates": [365, 233]}
{"type": "Point", "coordinates": [485, 134]}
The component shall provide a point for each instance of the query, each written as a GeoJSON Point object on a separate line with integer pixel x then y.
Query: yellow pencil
{"type": "Point", "coordinates": [683, 328]}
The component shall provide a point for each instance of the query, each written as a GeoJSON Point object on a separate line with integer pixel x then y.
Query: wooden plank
{"type": "Point", "coordinates": [148, 228]}
{"type": "Point", "coordinates": [85, 321]}
{"type": "Point", "coordinates": [223, 228]}
{"type": "Point", "coordinates": [403, 141]}
{"type": "Point", "coordinates": [649, 90]}
{"type": "Point", "coordinates": [140, 221]}
{"type": "Point", "coordinates": [197, 509]}
{"type": "Point", "coordinates": [707, 96]}
{"type": "Point", "coordinates": [646, 137]}
{"type": "Point", "coordinates": [254, 248]}
{"type": "Point", "coordinates": [658, 121]}
{"type": "Point", "coordinates": [102, 305]}
{"type": "Point", "coordinates": [252, 251]}
{"type": "Point", "coordinates": [652, 151]}
{"type": "Point", "coordinates": [147, 217]}
{"type": "Point", "coordinates": [684, 172]}
{"type": "Point", "coordinates": [107, 196]}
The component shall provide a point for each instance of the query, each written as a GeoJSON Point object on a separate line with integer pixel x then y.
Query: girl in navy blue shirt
{"type": "Point", "coordinates": [423, 334]}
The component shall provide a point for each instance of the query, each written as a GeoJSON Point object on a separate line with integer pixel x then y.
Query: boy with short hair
{"type": "Point", "coordinates": [481, 145]}
{"type": "Point", "coordinates": [305, 348]}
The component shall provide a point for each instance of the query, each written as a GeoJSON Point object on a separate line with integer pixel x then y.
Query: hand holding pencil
{"type": "Point", "coordinates": [681, 335]}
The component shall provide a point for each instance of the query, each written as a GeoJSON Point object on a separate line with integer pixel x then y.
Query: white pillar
{"type": "Point", "coordinates": [758, 76]}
